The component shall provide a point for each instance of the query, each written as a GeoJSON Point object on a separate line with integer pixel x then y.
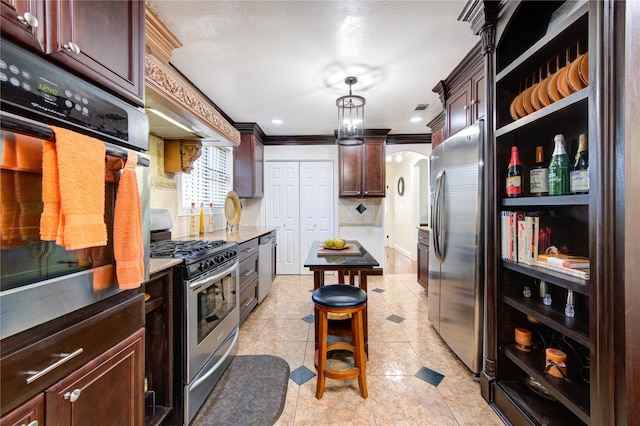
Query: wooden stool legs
{"type": "Point", "coordinates": [356, 346]}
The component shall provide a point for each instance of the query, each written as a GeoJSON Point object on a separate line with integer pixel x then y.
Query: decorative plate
{"type": "Point", "coordinates": [232, 208]}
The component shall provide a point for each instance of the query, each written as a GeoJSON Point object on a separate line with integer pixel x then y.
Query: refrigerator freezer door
{"type": "Point", "coordinates": [437, 172]}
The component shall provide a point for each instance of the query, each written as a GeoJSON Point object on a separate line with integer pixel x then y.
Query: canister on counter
{"type": "Point", "coordinates": [555, 363]}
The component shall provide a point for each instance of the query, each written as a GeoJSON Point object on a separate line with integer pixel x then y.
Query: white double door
{"type": "Point", "coordinates": [300, 204]}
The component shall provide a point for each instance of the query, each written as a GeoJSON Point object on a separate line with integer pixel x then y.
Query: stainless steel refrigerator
{"type": "Point", "coordinates": [456, 284]}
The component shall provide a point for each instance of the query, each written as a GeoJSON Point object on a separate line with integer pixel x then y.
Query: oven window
{"type": "Point", "coordinates": [214, 304]}
{"type": "Point", "coordinates": [24, 258]}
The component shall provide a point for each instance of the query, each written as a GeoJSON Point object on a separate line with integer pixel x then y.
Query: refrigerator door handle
{"type": "Point", "coordinates": [437, 236]}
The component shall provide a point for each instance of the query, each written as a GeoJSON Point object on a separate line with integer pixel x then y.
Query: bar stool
{"type": "Point", "coordinates": [340, 299]}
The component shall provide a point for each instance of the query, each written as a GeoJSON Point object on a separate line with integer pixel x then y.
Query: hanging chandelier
{"type": "Point", "coordinates": [350, 117]}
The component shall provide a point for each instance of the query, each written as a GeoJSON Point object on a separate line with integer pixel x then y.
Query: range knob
{"type": "Point", "coordinates": [202, 266]}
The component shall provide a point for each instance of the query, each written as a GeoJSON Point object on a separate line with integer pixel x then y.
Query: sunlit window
{"type": "Point", "coordinates": [209, 180]}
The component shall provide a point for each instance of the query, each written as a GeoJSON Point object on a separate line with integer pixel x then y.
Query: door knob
{"type": "Point", "coordinates": [28, 19]}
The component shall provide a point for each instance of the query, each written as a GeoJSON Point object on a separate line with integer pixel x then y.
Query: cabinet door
{"type": "Point", "coordinates": [107, 391]}
{"type": "Point", "coordinates": [373, 175]}
{"type": "Point", "coordinates": [258, 171]}
{"type": "Point", "coordinates": [102, 40]}
{"type": "Point", "coordinates": [31, 413]}
{"type": "Point", "coordinates": [248, 166]}
{"type": "Point", "coordinates": [17, 24]}
{"type": "Point", "coordinates": [458, 112]}
{"type": "Point", "coordinates": [350, 160]}
{"type": "Point", "coordinates": [478, 103]}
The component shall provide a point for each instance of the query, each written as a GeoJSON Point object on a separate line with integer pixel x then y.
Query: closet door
{"type": "Point", "coordinates": [316, 205]}
{"type": "Point", "coordinates": [282, 195]}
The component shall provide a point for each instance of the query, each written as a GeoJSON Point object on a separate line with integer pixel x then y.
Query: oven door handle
{"type": "Point", "coordinates": [214, 278]}
{"type": "Point", "coordinates": [217, 365]}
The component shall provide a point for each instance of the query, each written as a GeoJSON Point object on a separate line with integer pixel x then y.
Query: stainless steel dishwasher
{"type": "Point", "coordinates": [266, 266]}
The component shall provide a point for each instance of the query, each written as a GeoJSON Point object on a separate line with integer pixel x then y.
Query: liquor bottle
{"type": "Point", "coordinates": [201, 227]}
{"type": "Point", "coordinates": [580, 171]}
{"type": "Point", "coordinates": [193, 226]}
{"type": "Point", "coordinates": [559, 178]}
{"type": "Point", "coordinates": [210, 222]}
{"type": "Point", "coordinates": [539, 175]}
{"type": "Point", "coordinates": [514, 174]}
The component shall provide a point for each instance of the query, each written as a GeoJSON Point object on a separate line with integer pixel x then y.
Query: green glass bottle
{"type": "Point", "coordinates": [559, 169]}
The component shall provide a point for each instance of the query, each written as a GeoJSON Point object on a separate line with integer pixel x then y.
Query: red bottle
{"type": "Point", "coordinates": [514, 174]}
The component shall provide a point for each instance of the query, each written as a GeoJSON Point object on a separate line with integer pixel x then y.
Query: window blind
{"type": "Point", "coordinates": [209, 180]}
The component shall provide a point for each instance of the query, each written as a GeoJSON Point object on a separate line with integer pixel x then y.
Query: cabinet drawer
{"type": "Point", "coordinates": [64, 351]}
{"type": "Point", "coordinates": [248, 298]}
{"type": "Point", "coordinates": [423, 238]}
{"type": "Point", "coordinates": [248, 270]}
{"type": "Point", "coordinates": [246, 249]}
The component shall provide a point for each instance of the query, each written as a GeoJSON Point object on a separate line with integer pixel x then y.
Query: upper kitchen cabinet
{"type": "Point", "coordinates": [248, 162]}
{"type": "Point", "coordinates": [103, 41]}
{"type": "Point", "coordinates": [362, 167]}
{"type": "Point", "coordinates": [463, 94]}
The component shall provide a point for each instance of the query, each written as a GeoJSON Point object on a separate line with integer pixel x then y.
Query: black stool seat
{"type": "Point", "coordinates": [339, 296]}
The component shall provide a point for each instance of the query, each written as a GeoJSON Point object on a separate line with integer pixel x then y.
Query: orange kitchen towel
{"type": "Point", "coordinates": [9, 210]}
{"type": "Point", "coordinates": [80, 188]}
{"type": "Point", "coordinates": [50, 193]}
{"type": "Point", "coordinates": [127, 228]}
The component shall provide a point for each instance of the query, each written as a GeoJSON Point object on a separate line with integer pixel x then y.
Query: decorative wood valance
{"type": "Point", "coordinates": [179, 155]}
{"type": "Point", "coordinates": [173, 91]}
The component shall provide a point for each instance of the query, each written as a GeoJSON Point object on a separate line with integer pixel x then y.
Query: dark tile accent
{"type": "Point", "coordinates": [395, 318]}
{"type": "Point", "coordinates": [302, 375]}
{"type": "Point", "coordinates": [309, 318]}
{"type": "Point", "coordinates": [428, 375]}
{"type": "Point", "coordinates": [378, 290]}
{"type": "Point", "coordinates": [361, 208]}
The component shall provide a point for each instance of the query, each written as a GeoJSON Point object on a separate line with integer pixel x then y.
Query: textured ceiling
{"type": "Point", "coordinates": [287, 60]}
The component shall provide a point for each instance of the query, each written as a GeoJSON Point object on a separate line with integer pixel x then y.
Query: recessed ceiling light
{"type": "Point", "coordinates": [416, 119]}
{"type": "Point", "coordinates": [276, 121]}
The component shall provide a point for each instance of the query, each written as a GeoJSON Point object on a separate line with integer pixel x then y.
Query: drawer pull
{"type": "Point", "coordinates": [35, 375]}
{"type": "Point", "coordinates": [72, 396]}
{"type": "Point", "coordinates": [72, 47]}
{"type": "Point", "coordinates": [246, 274]}
{"type": "Point", "coordinates": [33, 423]}
{"type": "Point", "coordinates": [30, 21]}
{"type": "Point", "coordinates": [249, 250]}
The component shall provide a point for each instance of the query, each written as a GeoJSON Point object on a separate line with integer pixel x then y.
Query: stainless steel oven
{"type": "Point", "coordinates": [206, 296]}
{"type": "Point", "coordinates": [39, 280]}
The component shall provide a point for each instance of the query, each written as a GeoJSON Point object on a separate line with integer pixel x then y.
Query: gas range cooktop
{"type": "Point", "coordinates": [198, 256]}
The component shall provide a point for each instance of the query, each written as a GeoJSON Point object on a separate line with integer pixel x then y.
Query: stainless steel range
{"type": "Point", "coordinates": [206, 297]}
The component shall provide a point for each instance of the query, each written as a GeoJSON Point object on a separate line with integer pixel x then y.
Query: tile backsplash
{"type": "Point", "coordinates": [360, 211]}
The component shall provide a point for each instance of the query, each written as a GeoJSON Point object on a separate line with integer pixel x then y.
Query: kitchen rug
{"type": "Point", "coordinates": [252, 391]}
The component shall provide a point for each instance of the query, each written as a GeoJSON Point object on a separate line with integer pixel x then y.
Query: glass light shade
{"type": "Point", "coordinates": [350, 117]}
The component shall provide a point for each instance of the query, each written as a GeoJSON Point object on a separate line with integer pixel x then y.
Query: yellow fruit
{"type": "Point", "coordinates": [329, 242]}
{"type": "Point", "coordinates": [339, 243]}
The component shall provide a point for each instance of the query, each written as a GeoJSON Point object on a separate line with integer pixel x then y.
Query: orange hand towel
{"type": "Point", "coordinates": [80, 188]}
{"type": "Point", "coordinates": [50, 193]}
{"type": "Point", "coordinates": [127, 229]}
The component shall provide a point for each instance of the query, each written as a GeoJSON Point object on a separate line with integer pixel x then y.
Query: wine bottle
{"type": "Point", "coordinates": [193, 227]}
{"type": "Point", "coordinates": [210, 222]}
{"type": "Point", "coordinates": [580, 171]}
{"type": "Point", "coordinates": [514, 174]}
{"type": "Point", "coordinates": [539, 175]}
{"type": "Point", "coordinates": [559, 178]}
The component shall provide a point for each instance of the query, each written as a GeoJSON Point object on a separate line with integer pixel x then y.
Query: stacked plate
{"type": "Point", "coordinates": [562, 83]}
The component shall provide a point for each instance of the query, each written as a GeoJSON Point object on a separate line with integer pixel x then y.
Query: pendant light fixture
{"type": "Point", "coordinates": [350, 117]}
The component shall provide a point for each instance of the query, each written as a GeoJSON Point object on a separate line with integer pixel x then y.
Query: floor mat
{"type": "Point", "coordinates": [252, 391]}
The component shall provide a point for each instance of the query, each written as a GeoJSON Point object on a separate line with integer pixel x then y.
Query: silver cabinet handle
{"type": "Point", "coordinates": [72, 396]}
{"type": "Point", "coordinates": [35, 375]}
{"type": "Point", "coordinates": [71, 47]}
{"type": "Point", "coordinates": [249, 250]}
{"type": "Point", "coordinates": [30, 21]}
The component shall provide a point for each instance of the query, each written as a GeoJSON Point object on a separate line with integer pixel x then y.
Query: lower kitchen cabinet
{"type": "Point", "coordinates": [248, 256]}
{"type": "Point", "coordinates": [31, 413]}
{"type": "Point", "coordinates": [423, 258]}
{"type": "Point", "coordinates": [106, 391]}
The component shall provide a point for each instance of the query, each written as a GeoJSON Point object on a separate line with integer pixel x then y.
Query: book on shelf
{"type": "Point", "coordinates": [579, 273]}
{"type": "Point", "coordinates": [566, 260]}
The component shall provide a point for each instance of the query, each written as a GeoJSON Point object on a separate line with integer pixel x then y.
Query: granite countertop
{"type": "Point", "coordinates": [424, 228]}
{"type": "Point", "coordinates": [244, 233]}
{"type": "Point", "coordinates": [160, 264]}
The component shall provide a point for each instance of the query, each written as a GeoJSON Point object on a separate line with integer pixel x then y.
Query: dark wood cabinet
{"type": "Point", "coordinates": [159, 352]}
{"type": "Point", "coordinates": [362, 168]}
{"type": "Point", "coordinates": [26, 414]}
{"type": "Point", "coordinates": [248, 162]}
{"type": "Point", "coordinates": [103, 40]}
{"type": "Point", "coordinates": [106, 391]}
{"type": "Point", "coordinates": [423, 258]}
{"type": "Point", "coordinates": [462, 95]}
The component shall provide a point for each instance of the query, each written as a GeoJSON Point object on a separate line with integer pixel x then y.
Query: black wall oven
{"type": "Point", "coordinates": [39, 280]}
